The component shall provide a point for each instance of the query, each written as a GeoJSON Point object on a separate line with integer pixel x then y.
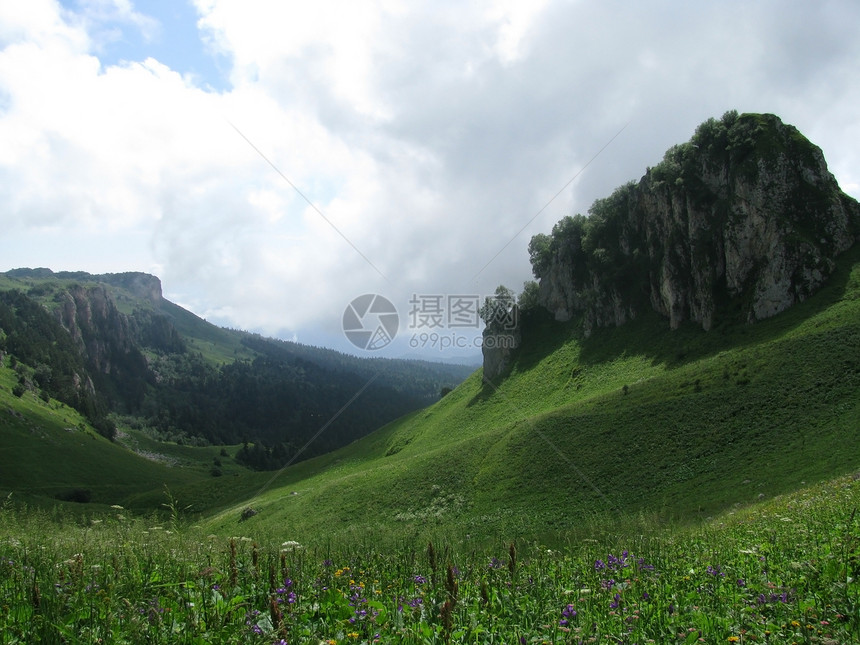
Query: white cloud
{"type": "Point", "coordinates": [427, 133]}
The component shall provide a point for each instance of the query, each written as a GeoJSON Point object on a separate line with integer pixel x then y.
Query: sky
{"type": "Point", "coordinates": [270, 161]}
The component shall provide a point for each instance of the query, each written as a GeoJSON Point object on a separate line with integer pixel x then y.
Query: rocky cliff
{"type": "Point", "coordinates": [114, 320]}
{"type": "Point", "coordinates": [743, 219]}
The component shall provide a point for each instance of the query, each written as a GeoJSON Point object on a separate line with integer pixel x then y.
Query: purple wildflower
{"type": "Point", "coordinates": [644, 566]}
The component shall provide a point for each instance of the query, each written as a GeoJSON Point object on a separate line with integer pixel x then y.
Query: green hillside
{"type": "Point", "coordinates": [632, 423]}
{"type": "Point", "coordinates": [50, 451]}
{"type": "Point", "coordinates": [52, 457]}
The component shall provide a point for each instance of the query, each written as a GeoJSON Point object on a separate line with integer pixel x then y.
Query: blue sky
{"type": "Point", "coordinates": [171, 137]}
{"type": "Point", "coordinates": [171, 36]}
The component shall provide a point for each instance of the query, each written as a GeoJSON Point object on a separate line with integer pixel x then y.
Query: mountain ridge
{"type": "Point", "coordinates": [147, 361]}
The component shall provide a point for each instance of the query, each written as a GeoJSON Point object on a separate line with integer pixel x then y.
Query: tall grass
{"type": "Point", "coordinates": [782, 571]}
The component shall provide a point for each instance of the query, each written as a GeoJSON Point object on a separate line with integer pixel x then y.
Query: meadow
{"type": "Point", "coordinates": [784, 570]}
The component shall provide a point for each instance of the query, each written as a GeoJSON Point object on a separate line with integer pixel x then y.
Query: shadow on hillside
{"type": "Point", "coordinates": [651, 337]}
{"type": "Point", "coordinates": [542, 336]}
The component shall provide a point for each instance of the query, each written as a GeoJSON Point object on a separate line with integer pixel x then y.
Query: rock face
{"type": "Point", "coordinates": [94, 323]}
{"type": "Point", "coordinates": [139, 284]}
{"type": "Point", "coordinates": [498, 348]}
{"type": "Point", "coordinates": [106, 336]}
{"type": "Point", "coordinates": [745, 216]}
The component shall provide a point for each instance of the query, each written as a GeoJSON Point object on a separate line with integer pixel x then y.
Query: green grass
{"type": "Point", "coordinates": [49, 452]}
{"type": "Point", "coordinates": [706, 420]}
{"type": "Point", "coordinates": [780, 571]}
{"type": "Point", "coordinates": [216, 344]}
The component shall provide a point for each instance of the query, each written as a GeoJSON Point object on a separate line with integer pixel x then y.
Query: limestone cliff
{"type": "Point", "coordinates": [108, 337]}
{"type": "Point", "coordinates": [744, 217]}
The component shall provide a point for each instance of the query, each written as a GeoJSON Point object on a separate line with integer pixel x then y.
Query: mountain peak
{"type": "Point", "coordinates": [745, 217]}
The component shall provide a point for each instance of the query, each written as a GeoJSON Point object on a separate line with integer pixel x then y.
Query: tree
{"type": "Point", "coordinates": [529, 298]}
{"type": "Point", "coordinates": [540, 254]}
{"type": "Point", "coordinates": [499, 311]}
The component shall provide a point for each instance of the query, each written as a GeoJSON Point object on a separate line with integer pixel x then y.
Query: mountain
{"type": "Point", "coordinates": [741, 222]}
{"type": "Point", "coordinates": [114, 349]}
{"type": "Point", "coordinates": [602, 420]}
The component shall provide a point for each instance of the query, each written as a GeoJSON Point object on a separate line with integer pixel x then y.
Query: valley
{"type": "Point", "coordinates": [668, 453]}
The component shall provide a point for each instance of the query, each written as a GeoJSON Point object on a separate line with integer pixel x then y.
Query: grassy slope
{"type": "Point", "coordinates": [49, 442]}
{"type": "Point", "coordinates": [215, 343]}
{"type": "Point", "coordinates": [67, 453]}
{"type": "Point", "coordinates": [709, 419]}
{"type": "Point", "coordinates": [779, 571]}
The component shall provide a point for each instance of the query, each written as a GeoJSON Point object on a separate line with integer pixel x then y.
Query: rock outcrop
{"type": "Point", "coordinates": [141, 285]}
{"type": "Point", "coordinates": [101, 332]}
{"type": "Point", "coordinates": [498, 347]}
{"type": "Point", "coordinates": [502, 334]}
{"type": "Point", "coordinates": [108, 337]}
{"type": "Point", "coordinates": [744, 217]}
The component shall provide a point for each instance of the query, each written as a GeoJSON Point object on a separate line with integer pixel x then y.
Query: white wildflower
{"type": "Point", "coordinates": [291, 545]}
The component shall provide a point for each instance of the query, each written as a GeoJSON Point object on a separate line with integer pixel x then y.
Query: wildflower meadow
{"type": "Point", "coordinates": [783, 571]}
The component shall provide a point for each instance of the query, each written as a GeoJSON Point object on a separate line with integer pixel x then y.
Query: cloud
{"type": "Point", "coordinates": [428, 134]}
